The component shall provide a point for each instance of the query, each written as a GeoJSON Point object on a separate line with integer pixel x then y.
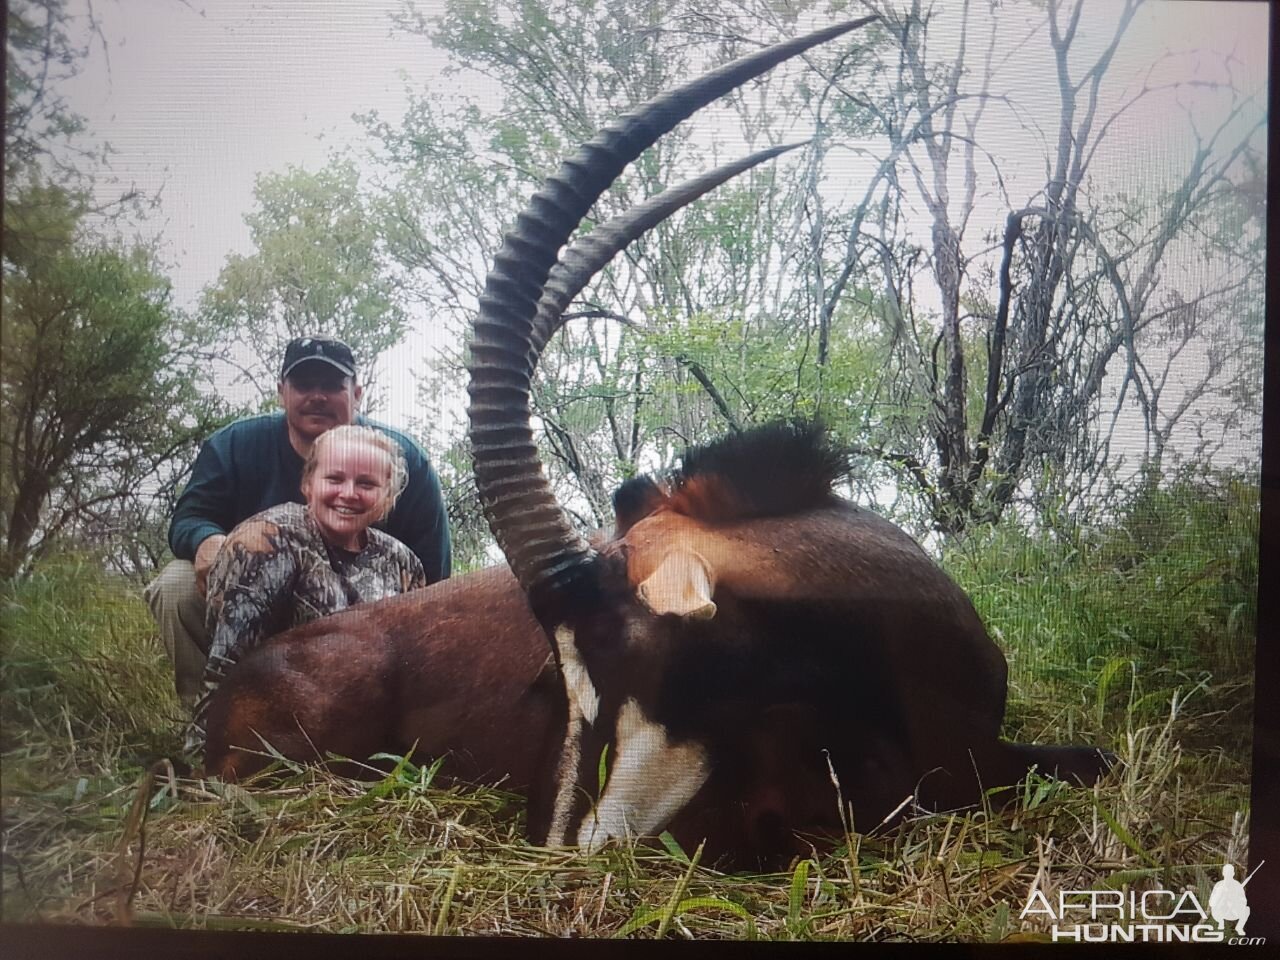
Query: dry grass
{"type": "Point", "coordinates": [402, 854]}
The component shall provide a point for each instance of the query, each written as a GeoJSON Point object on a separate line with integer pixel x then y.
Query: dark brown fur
{"type": "Point", "coordinates": [454, 668]}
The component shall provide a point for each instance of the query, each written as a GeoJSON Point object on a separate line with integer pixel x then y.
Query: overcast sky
{"type": "Point", "coordinates": [197, 98]}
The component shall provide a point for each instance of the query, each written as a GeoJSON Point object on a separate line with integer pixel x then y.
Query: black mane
{"type": "Point", "coordinates": [778, 468]}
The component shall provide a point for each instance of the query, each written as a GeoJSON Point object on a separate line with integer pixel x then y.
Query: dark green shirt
{"type": "Point", "coordinates": [250, 465]}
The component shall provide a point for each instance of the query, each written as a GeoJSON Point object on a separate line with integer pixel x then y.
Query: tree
{"type": "Point", "coordinates": [611, 397]}
{"type": "Point", "coordinates": [1016, 338]}
{"type": "Point", "coordinates": [40, 54]}
{"type": "Point", "coordinates": [318, 268]}
{"type": "Point", "coordinates": [93, 393]}
{"type": "Point", "coordinates": [971, 334]}
{"type": "Point", "coordinates": [95, 387]}
{"type": "Point", "coordinates": [41, 134]}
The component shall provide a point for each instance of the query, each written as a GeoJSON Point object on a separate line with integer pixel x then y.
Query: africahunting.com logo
{"type": "Point", "coordinates": [1148, 916]}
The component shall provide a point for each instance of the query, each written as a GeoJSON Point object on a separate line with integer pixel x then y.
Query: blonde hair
{"type": "Point", "coordinates": [353, 434]}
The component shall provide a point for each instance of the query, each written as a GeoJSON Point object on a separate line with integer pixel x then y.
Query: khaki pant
{"type": "Point", "coordinates": [178, 607]}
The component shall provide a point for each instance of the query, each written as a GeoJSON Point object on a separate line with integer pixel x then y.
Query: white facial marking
{"type": "Point", "coordinates": [584, 703]}
{"type": "Point", "coordinates": [583, 698]}
{"type": "Point", "coordinates": [649, 782]}
{"type": "Point", "coordinates": [558, 834]}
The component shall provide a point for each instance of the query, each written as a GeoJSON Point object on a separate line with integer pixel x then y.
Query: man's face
{"type": "Point", "coordinates": [316, 396]}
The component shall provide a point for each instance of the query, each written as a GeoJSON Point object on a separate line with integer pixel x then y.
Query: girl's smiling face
{"type": "Point", "coordinates": [349, 490]}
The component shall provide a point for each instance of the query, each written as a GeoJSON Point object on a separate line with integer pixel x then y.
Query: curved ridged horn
{"type": "Point", "coordinates": [588, 255]}
{"type": "Point", "coordinates": [547, 556]}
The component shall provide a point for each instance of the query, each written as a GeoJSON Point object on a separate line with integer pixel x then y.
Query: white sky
{"type": "Point", "coordinates": [196, 98]}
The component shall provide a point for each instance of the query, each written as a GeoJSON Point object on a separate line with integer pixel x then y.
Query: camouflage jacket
{"type": "Point", "coordinates": [276, 571]}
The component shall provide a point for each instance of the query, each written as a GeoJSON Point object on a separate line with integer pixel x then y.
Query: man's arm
{"type": "Point", "coordinates": [206, 507]}
{"type": "Point", "coordinates": [206, 553]}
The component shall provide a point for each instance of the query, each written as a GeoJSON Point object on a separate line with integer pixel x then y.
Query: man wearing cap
{"type": "Point", "coordinates": [256, 463]}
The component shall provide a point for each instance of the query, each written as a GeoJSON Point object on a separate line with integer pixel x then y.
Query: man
{"type": "Point", "coordinates": [256, 463]}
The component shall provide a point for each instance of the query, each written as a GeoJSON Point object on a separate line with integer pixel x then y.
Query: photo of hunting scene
{"type": "Point", "coordinates": [631, 468]}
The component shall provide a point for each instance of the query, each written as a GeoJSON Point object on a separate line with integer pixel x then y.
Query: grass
{"type": "Point", "coordinates": [1135, 639]}
{"type": "Point", "coordinates": [316, 852]}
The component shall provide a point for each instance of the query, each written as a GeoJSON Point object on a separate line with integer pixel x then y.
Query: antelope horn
{"type": "Point", "coordinates": [548, 557]}
{"type": "Point", "coordinates": [588, 255]}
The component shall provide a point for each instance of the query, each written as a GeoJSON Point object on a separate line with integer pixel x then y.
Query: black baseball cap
{"type": "Point", "coordinates": [333, 352]}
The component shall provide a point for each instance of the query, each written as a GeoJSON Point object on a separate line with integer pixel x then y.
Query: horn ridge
{"type": "Point", "coordinates": [503, 350]}
{"type": "Point", "coordinates": [589, 254]}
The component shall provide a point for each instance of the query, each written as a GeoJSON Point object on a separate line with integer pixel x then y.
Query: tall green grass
{"type": "Point", "coordinates": [78, 650]}
{"type": "Point", "coordinates": [1114, 621]}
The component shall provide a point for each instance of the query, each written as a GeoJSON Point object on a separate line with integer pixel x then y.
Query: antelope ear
{"type": "Point", "coordinates": [682, 584]}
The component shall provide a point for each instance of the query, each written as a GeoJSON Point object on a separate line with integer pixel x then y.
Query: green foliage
{"type": "Point", "coordinates": [40, 221]}
{"type": "Point", "coordinates": [98, 411]}
{"type": "Point", "coordinates": [1163, 599]}
{"type": "Point", "coordinates": [96, 395]}
{"type": "Point", "coordinates": [318, 268]}
{"type": "Point", "coordinates": [79, 656]}
{"type": "Point", "coordinates": [612, 400]}
{"type": "Point", "coordinates": [467, 527]}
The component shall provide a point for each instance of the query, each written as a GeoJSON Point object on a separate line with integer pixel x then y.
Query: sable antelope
{"type": "Point", "coordinates": [745, 637]}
